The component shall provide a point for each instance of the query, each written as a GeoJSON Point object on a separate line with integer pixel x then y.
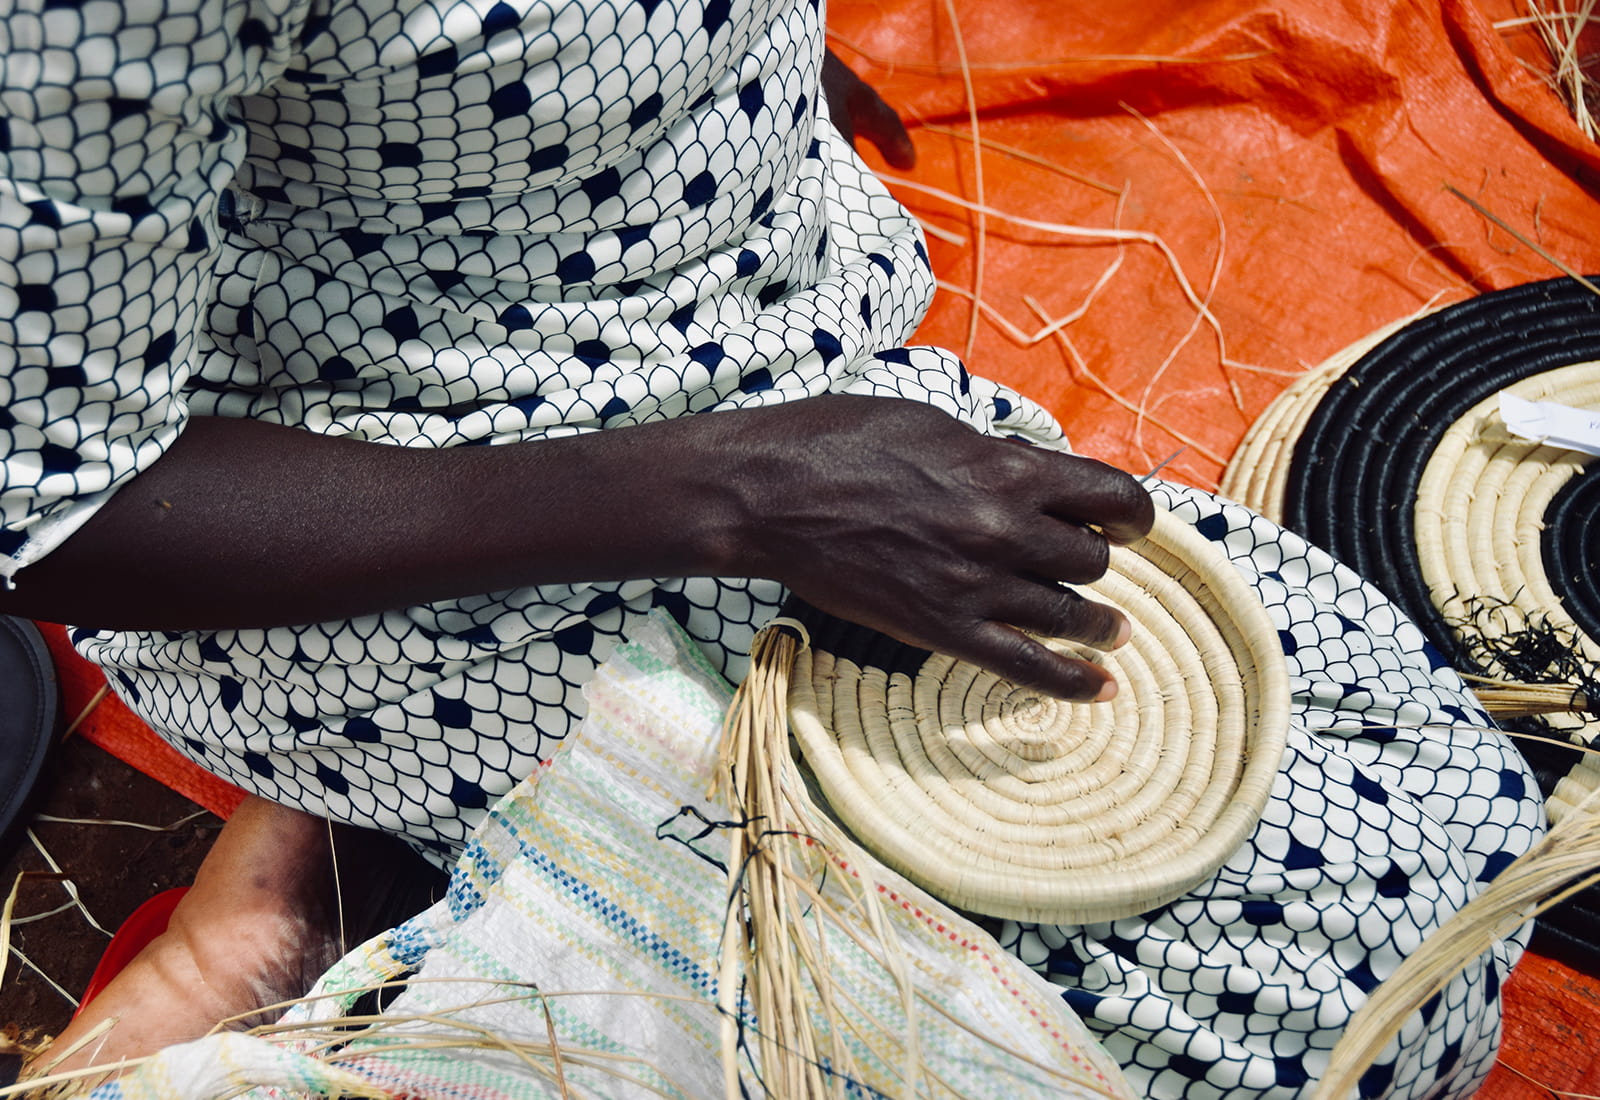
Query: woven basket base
{"type": "Point", "coordinates": [1008, 803]}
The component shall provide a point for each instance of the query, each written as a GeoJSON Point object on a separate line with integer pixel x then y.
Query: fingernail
{"type": "Point", "coordinates": [1124, 632]}
{"type": "Point", "coordinates": [1108, 692]}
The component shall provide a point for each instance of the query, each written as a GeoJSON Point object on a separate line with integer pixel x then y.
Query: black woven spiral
{"type": "Point", "coordinates": [1352, 485]}
{"type": "Point", "coordinates": [1571, 548]}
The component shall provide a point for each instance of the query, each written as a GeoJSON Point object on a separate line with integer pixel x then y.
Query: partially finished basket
{"type": "Point", "coordinates": [1006, 802]}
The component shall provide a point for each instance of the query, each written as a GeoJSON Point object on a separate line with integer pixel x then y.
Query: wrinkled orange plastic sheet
{"type": "Point", "coordinates": [1291, 159]}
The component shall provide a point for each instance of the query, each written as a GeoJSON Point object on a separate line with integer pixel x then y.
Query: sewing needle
{"type": "Point", "coordinates": [1163, 464]}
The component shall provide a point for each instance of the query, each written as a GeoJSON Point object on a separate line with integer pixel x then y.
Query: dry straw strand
{"type": "Point", "coordinates": [6, 920]}
{"type": "Point", "coordinates": [1509, 699]}
{"type": "Point", "coordinates": [1560, 1094]}
{"type": "Point", "coordinates": [1560, 865]}
{"type": "Point", "coordinates": [1052, 326]}
{"type": "Point", "coordinates": [1024, 156]}
{"type": "Point", "coordinates": [555, 1048]}
{"type": "Point", "coordinates": [48, 980]}
{"type": "Point", "coordinates": [64, 907]}
{"type": "Point", "coordinates": [981, 234]}
{"type": "Point", "coordinates": [1204, 315]}
{"type": "Point", "coordinates": [1056, 324]}
{"type": "Point", "coordinates": [1543, 253]}
{"type": "Point", "coordinates": [1082, 366]}
{"type": "Point", "coordinates": [1108, 235]}
{"type": "Point", "coordinates": [68, 885]}
{"type": "Point", "coordinates": [51, 819]}
{"type": "Point", "coordinates": [1043, 65]}
{"type": "Point", "coordinates": [69, 1082]}
{"type": "Point", "coordinates": [338, 888]}
{"type": "Point", "coordinates": [88, 708]}
{"type": "Point", "coordinates": [1103, 235]}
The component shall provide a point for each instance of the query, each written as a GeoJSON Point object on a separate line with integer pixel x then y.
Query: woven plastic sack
{"type": "Point", "coordinates": [601, 879]}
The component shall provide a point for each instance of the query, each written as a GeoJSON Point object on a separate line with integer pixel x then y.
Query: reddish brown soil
{"type": "Point", "coordinates": [115, 869]}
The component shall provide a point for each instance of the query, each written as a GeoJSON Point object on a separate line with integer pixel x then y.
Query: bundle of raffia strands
{"type": "Point", "coordinates": [1571, 34]}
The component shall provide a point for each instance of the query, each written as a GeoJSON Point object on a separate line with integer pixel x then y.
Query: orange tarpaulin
{"type": "Point", "coordinates": [1202, 199]}
{"type": "Point", "coordinates": [1294, 155]}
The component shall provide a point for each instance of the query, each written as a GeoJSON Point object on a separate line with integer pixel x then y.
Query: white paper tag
{"type": "Point", "coordinates": [1553, 424]}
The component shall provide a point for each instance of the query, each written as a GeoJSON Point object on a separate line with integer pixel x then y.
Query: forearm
{"type": "Point", "coordinates": [884, 512]}
{"type": "Point", "coordinates": [246, 524]}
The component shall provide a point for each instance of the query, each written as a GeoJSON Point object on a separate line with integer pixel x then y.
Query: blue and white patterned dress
{"type": "Point", "coordinates": [437, 223]}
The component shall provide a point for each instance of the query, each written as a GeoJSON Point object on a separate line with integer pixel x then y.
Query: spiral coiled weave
{"type": "Point", "coordinates": [1010, 803]}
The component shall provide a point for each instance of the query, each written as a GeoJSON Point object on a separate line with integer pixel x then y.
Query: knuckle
{"type": "Point", "coordinates": [1011, 466]}
{"type": "Point", "coordinates": [992, 525]}
{"type": "Point", "coordinates": [968, 580]}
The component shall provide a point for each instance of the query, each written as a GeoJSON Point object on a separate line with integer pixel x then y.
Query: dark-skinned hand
{"type": "Point", "coordinates": [857, 110]}
{"type": "Point", "coordinates": [881, 511]}
{"type": "Point", "coordinates": [896, 516]}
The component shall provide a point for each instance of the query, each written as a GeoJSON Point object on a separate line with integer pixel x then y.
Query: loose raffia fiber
{"type": "Point", "coordinates": [1567, 26]}
{"type": "Point", "coordinates": [758, 938]}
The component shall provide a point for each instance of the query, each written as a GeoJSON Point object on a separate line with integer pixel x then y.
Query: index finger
{"type": "Point", "coordinates": [1014, 656]}
{"type": "Point", "coordinates": [1086, 491]}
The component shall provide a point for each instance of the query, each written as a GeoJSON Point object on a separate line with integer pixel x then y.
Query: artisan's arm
{"type": "Point", "coordinates": [882, 511]}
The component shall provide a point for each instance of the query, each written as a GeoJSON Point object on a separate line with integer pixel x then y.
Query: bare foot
{"type": "Point", "coordinates": [257, 928]}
